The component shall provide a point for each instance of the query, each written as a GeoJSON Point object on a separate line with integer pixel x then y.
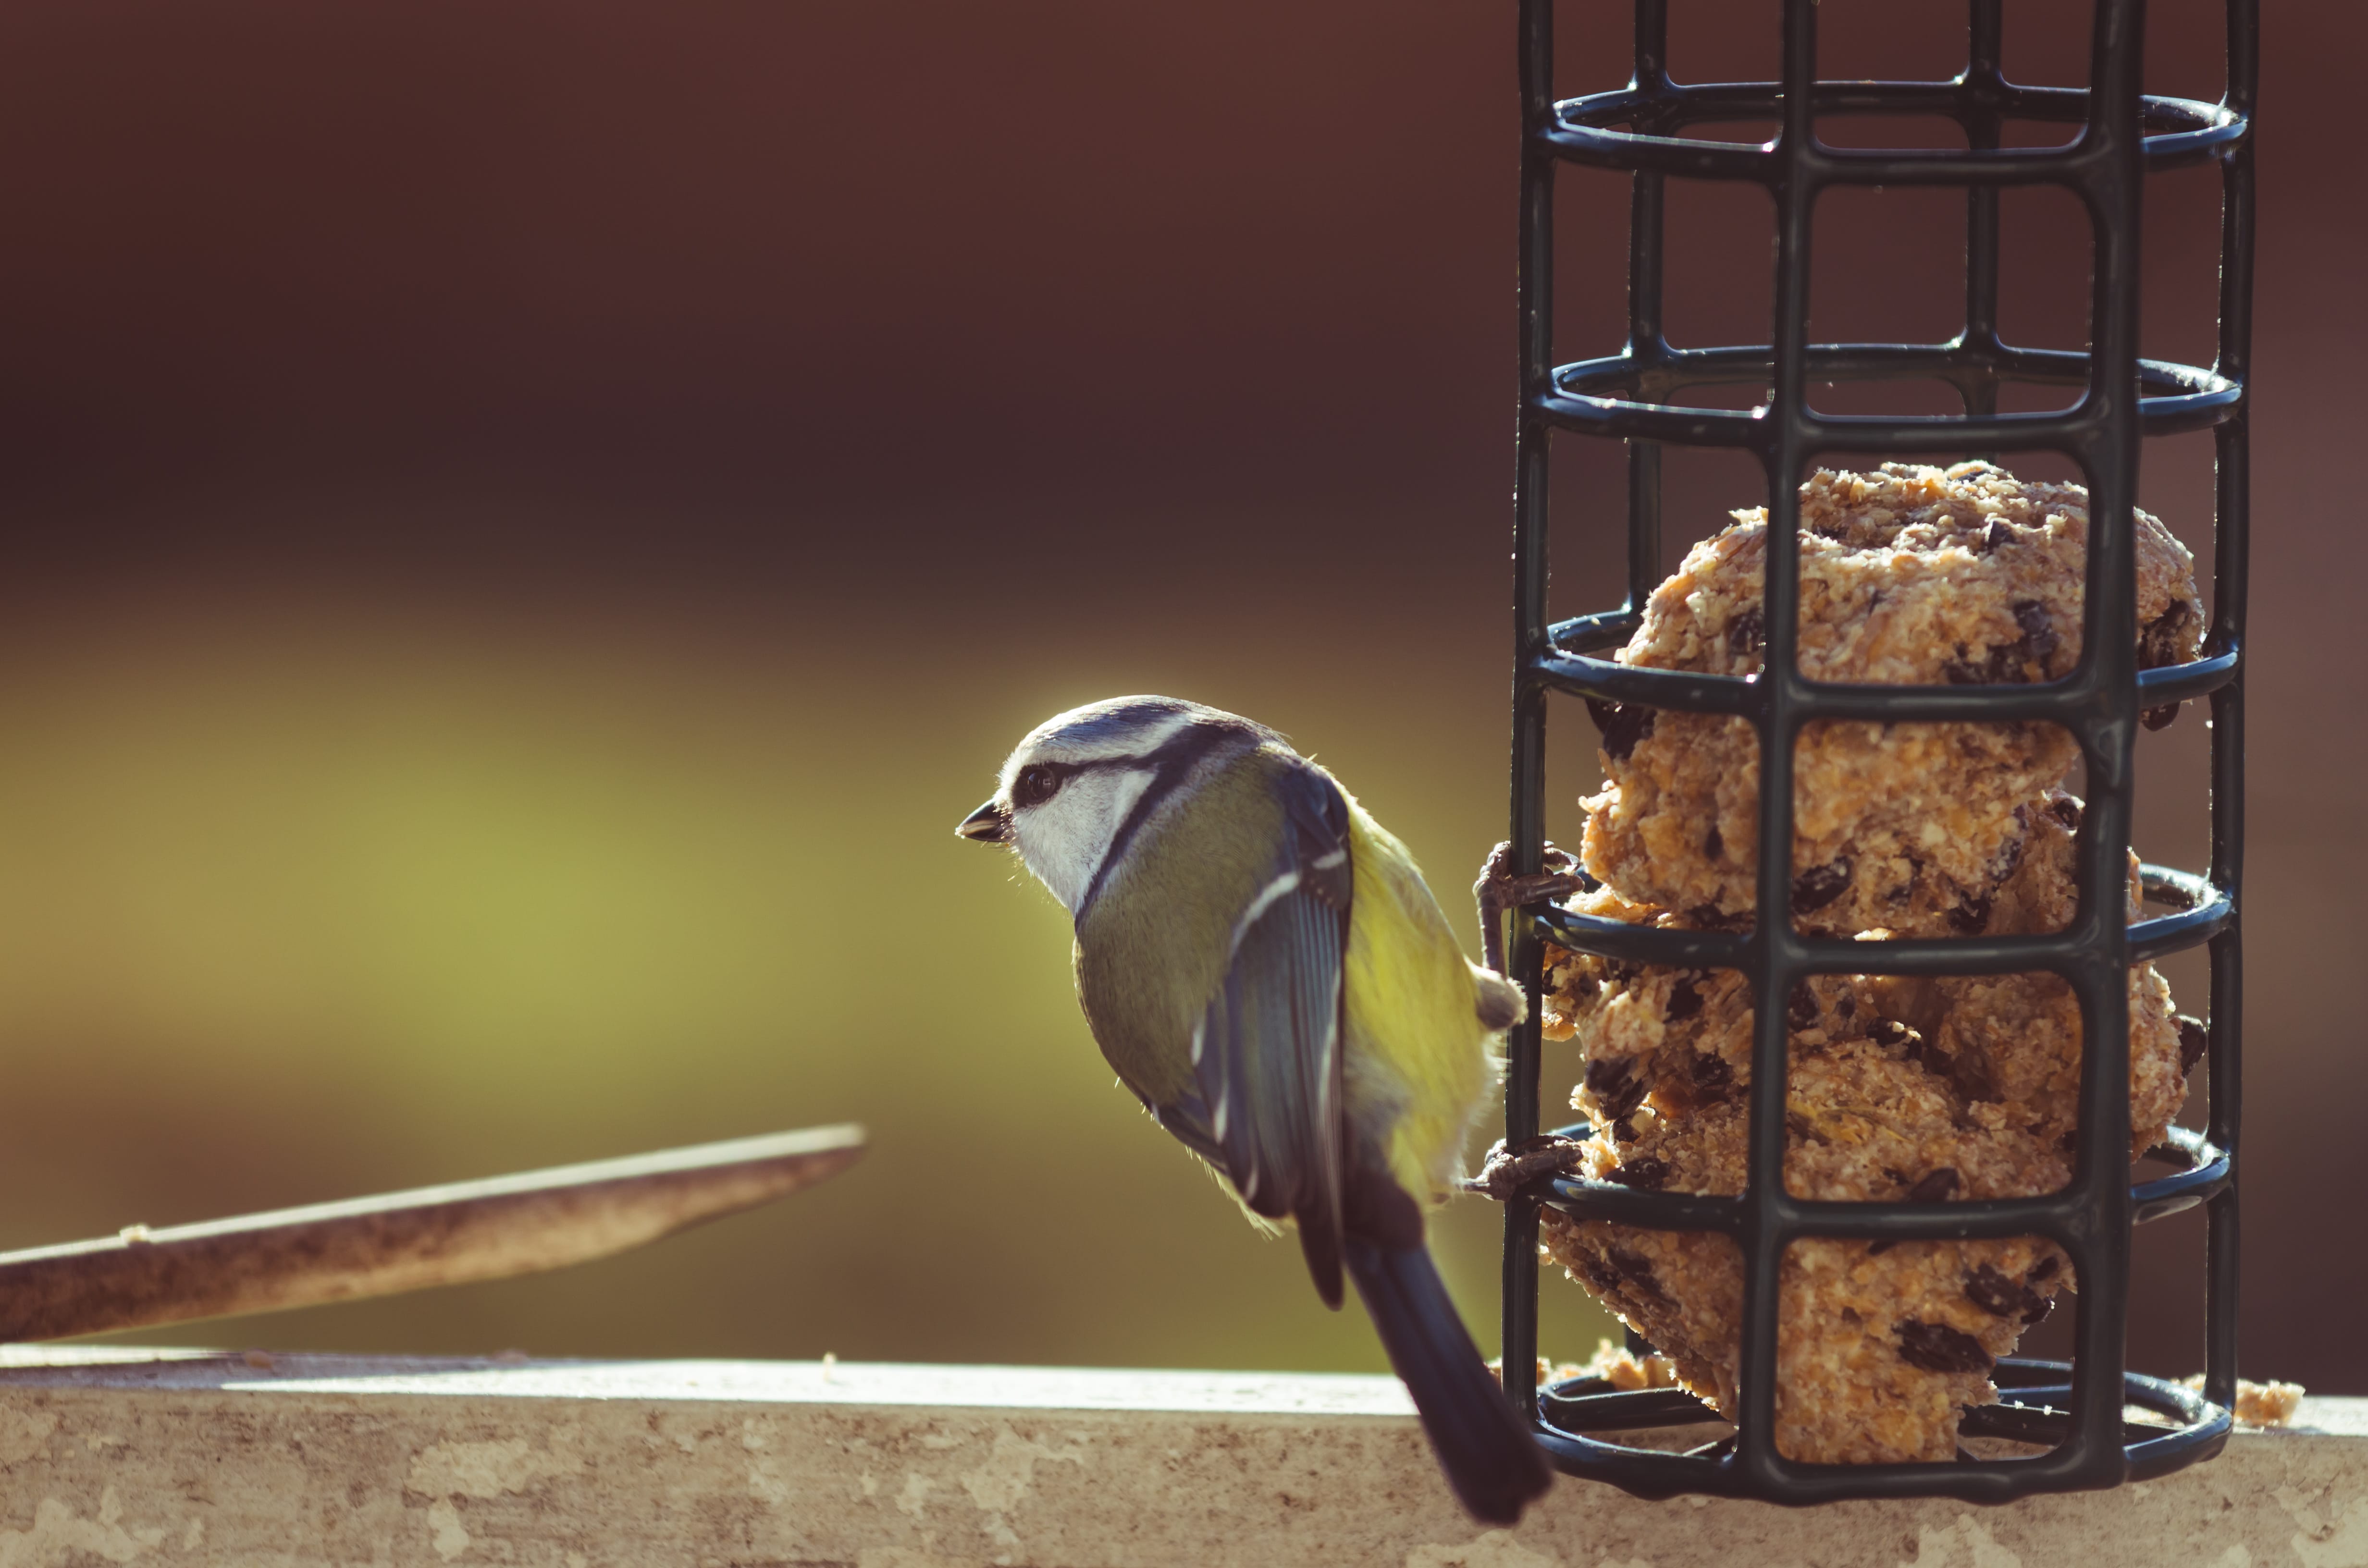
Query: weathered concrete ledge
{"type": "Point", "coordinates": [169, 1456]}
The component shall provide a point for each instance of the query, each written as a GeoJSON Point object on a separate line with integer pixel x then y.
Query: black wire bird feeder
{"type": "Point", "coordinates": [2076, 1409]}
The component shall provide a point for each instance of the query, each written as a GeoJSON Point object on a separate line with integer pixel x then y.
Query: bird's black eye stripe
{"type": "Point", "coordinates": [1037, 783]}
{"type": "Point", "coordinates": [1040, 781]}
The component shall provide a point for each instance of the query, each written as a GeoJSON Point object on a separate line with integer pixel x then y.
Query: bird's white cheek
{"type": "Point", "coordinates": [1062, 858]}
{"type": "Point", "coordinates": [1048, 860]}
{"type": "Point", "coordinates": [1064, 841]}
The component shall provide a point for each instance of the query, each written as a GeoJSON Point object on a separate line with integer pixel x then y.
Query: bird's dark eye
{"type": "Point", "coordinates": [1035, 785]}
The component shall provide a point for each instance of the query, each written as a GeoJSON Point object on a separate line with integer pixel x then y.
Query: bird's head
{"type": "Point", "coordinates": [1078, 789]}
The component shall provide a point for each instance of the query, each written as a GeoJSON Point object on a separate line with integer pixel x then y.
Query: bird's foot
{"type": "Point", "coordinates": [1504, 1171]}
{"type": "Point", "coordinates": [1499, 889]}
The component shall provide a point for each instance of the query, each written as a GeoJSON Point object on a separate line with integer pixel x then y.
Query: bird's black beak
{"type": "Point", "coordinates": [988, 825]}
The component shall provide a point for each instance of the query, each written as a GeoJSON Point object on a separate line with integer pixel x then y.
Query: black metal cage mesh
{"type": "Point", "coordinates": [2076, 1411]}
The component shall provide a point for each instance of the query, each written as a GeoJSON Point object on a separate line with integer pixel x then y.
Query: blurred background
{"type": "Point", "coordinates": [526, 524]}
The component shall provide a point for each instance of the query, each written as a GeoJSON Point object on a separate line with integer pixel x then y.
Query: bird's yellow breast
{"type": "Point", "coordinates": [1419, 1063]}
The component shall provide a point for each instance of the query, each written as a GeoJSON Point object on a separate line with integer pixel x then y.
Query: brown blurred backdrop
{"type": "Point", "coordinates": [527, 523]}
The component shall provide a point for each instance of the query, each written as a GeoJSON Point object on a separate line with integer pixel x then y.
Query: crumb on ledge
{"type": "Point", "coordinates": [2261, 1404]}
{"type": "Point", "coordinates": [1625, 1371]}
{"type": "Point", "coordinates": [1615, 1365]}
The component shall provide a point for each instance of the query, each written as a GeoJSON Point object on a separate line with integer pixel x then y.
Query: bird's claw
{"type": "Point", "coordinates": [1506, 1171]}
{"type": "Point", "coordinates": [1499, 889]}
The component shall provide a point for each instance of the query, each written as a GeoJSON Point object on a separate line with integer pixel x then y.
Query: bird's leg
{"type": "Point", "coordinates": [1506, 1170]}
{"type": "Point", "coordinates": [1499, 889]}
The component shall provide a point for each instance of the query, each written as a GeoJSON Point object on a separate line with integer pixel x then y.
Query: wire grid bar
{"type": "Point", "coordinates": [2121, 135]}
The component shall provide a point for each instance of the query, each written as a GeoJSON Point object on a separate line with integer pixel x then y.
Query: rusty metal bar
{"type": "Point", "coordinates": [395, 1241]}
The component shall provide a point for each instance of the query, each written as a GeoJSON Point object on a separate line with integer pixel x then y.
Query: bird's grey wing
{"type": "Point", "coordinates": [1187, 1119]}
{"type": "Point", "coordinates": [1266, 1053]}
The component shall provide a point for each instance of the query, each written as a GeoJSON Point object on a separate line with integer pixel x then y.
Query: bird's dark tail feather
{"type": "Point", "coordinates": [1491, 1461]}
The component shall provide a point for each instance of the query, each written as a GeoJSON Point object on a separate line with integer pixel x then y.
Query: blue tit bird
{"type": "Point", "coordinates": [1267, 971]}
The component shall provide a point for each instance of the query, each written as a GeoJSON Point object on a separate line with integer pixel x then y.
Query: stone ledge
{"type": "Point", "coordinates": [171, 1456]}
